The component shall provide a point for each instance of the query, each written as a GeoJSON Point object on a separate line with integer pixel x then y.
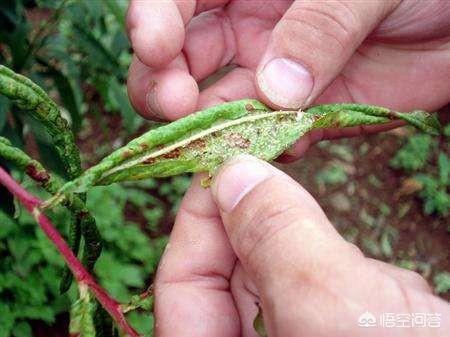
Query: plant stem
{"type": "Point", "coordinates": [32, 204]}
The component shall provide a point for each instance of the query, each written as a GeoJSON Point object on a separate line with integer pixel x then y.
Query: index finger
{"type": "Point", "coordinates": [156, 29]}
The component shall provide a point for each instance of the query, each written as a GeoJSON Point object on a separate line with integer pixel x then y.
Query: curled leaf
{"type": "Point", "coordinates": [204, 140]}
{"type": "Point", "coordinates": [29, 96]}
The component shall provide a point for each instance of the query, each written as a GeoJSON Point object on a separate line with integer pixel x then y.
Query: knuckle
{"type": "Point", "coordinates": [267, 217]}
{"type": "Point", "coordinates": [325, 26]}
{"type": "Point", "coordinates": [418, 280]}
{"type": "Point", "coordinates": [261, 231]}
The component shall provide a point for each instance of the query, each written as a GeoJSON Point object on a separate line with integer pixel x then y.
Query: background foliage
{"type": "Point", "coordinates": [78, 51]}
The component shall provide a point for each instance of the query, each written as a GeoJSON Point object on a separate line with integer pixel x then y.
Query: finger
{"type": "Point", "coordinates": [192, 297]}
{"type": "Point", "coordinates": [210, 43]}
{"type": "Point", "coordinates": [169, 93]}
{"type": "Point", "coordinates": [285, 242]}
{"type": "Point", "coordinates": [246, 301]}
{"type": "Point", "coordinates": [237, 84]}
{"type": "Point", "coordinates": [310, 46]}
{"type": "Point", "coordinates": [150, 23]}
{"type": "Point", "coordinates": [206, 5]}
{"type": "Point", "coordinates": [381, 74]}
{"type": "Point", "coordinates": [299, 264]}
{"type": "Point", "coordinates": [271, 235]}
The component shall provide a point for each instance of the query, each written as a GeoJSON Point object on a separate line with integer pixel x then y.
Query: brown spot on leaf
{"type": "Point", "coordinates": [126, 154]}
{"type": "Point", "coordinates": [316, 117]}
{"type": "Point", "coordinates": [237, 140]}
{"type": "Point", "coordinates": [175, 153]}
{"type": "Point", "coordinates": [392, 115]}
{"type": "Point", "coordinates": [249, 107]}
{"type": "Point", "coordinates": [39, 176]}
{"type": "Point", "coordinates": [170, 155]}
{"type": "Point", "coordinates": [149, 161]}
{"type": "Point", "coordinates": [197, 144]}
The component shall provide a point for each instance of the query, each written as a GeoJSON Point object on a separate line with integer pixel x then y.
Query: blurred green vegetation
{"type": "Point", "coordinates": [79, 53]}
{"type": "Point", "coordinates": [428, 165]}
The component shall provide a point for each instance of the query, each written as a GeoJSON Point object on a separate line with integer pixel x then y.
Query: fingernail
{"type": "Point", "coordinates": [236, 179]}
{"type": "Point", "coordinates": [152, 101]}
{"type": "Point", "coordinates": [285, 82]}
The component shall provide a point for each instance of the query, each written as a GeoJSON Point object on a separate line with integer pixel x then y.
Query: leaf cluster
{"type": "Point", "coordinates": [30, 267]}
{"type": "Point", "coordinates": [427, 161]}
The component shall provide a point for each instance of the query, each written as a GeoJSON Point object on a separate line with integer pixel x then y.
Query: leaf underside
{"type": "Point", "coordinates": [202, 141]}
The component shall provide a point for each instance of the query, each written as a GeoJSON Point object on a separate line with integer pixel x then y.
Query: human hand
{"type": "Point", "coordinates": [258, 237]}
{"type": "Point", "coordinates": [290, 54]}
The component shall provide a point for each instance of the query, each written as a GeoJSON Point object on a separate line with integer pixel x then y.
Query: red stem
{"type": "Point", "coordinates": [32, 204]}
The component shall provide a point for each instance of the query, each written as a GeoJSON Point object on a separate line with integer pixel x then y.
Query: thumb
{"type": "Point", "coordinates": [311, 44]}
{"type": "Point", "coordinates": [275, 227]}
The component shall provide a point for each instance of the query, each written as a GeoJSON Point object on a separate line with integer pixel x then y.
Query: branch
{"type": "Point", "coordinates": [82, 222]}
{"type": "Point", "coordinates": [32, 204]}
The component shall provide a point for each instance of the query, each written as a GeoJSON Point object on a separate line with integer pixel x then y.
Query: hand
{"type": "Point", "coordinates": [267, 241]}
{"type": "Point", "coordinates": [290, 54]}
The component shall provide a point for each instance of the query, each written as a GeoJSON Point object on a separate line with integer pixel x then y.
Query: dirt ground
{"type": "Point", "coordinates": [372, 207]}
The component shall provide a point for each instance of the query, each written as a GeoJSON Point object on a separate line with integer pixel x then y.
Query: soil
{"type": "Point", "coordinates": [374, 200]}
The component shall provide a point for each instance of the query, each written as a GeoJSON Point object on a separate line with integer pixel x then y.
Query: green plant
{"type": "Point", "coordinates": [414, 154]}
{"type": "Point", "coordinates": [426, 161]}
{"type": "Point", "coordinates": [442, 282]}
{"type": "Point", "coordinates": [435, 188]}
{"type": "Point", "coordinates": [66, 52]}
{"type": "Point", "coordinates": [333, 174]}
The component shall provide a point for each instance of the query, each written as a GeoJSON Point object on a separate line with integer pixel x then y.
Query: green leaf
{"type": "Point", "coordinates": [442, 282]}
{"type": "Point", "coordinates": [415, 154]}
{"type": "Point", "coordinates": [258, 324]}
{"type": "Point", "coordinates": [444, 169]}
{"type": "Point", "coordinates": [202, 141]}
{"type": "Point", "coordinates": [67, 93]}
{"type": "Point", "coordinates": [97, 52]}
{"type": "Point", "coordinates": [4, 109]}
{"type": "Point", "coordinates": [117, 8]}
{"type": "Point", "coordinates": [22, 329]}
{"type": "Point", "coordinates": [422, 120]}
{"type": "Point", "coordinates": [28, 96]}
{"type": "Point", "coordinates": [118, 95]}
{"type": "Point", "coordinates": [82, 316]}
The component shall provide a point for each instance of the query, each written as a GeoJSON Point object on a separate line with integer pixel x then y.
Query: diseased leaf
{"type": "Point", "coordinates": [204, 140]}
{"type": "Point", "coordinates": [29, 96]}
{"type": "Point", "coordinates": [82, 315]}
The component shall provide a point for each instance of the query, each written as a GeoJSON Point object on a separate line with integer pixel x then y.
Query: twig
{"type": "Point", "coordinates": [32, 204]}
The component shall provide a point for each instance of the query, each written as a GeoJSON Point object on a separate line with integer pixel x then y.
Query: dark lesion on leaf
{"type": "Point", "coordinates": [392, 115]}
{"type": "Point", "coordinates": [197, 144]}
{"type": "Point", "coordinates": [237, 140]}
{"type": "Point", "coordinates": [174, 154]}
{"type": "Point", "coordinates": [41, 176]}
{"type": "Point", "coordinates": [127, 154]}
{"type": "Point", "coordinates": [249, 107]}
{"type": "Point", "coordinates": [143, 146]}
